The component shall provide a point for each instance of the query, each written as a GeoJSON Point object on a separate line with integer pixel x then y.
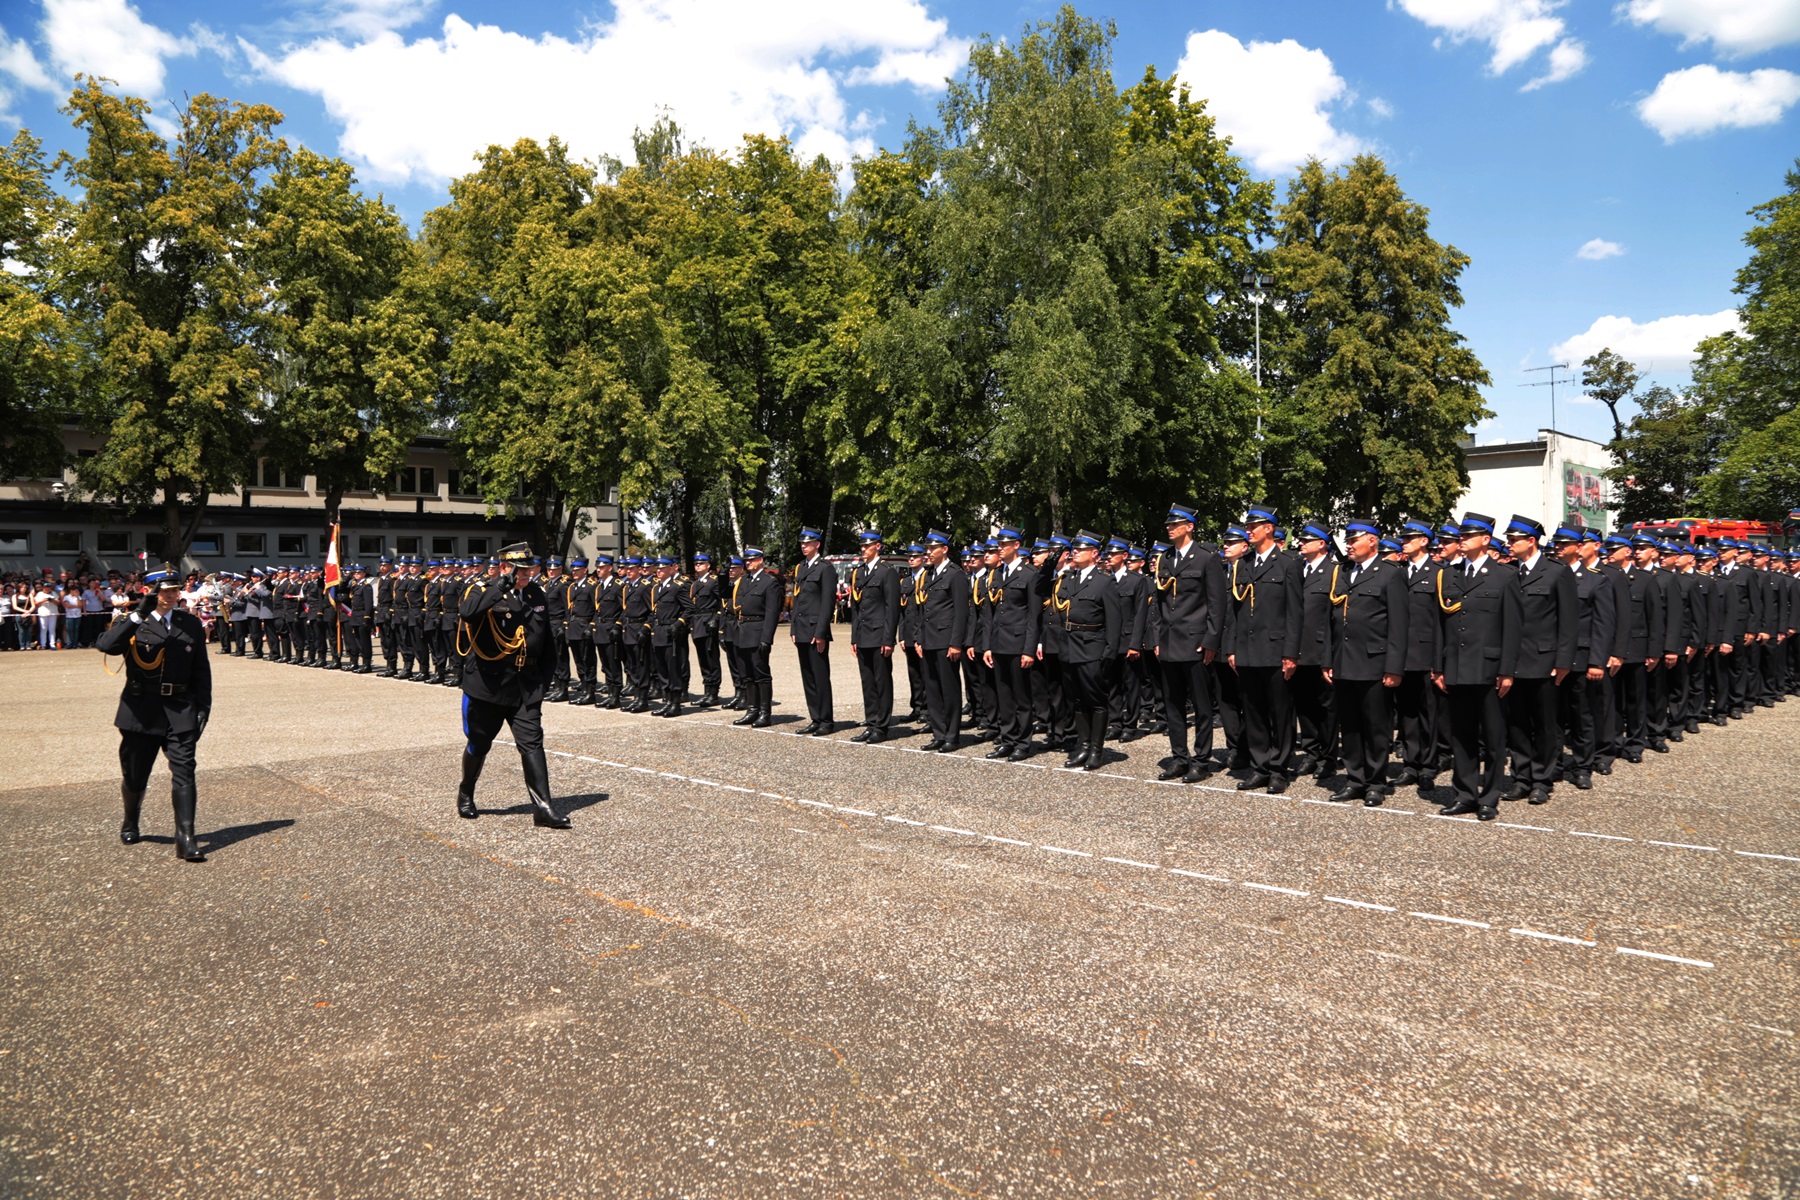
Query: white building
{"type": "Point", "coordinates": [1558, 478]}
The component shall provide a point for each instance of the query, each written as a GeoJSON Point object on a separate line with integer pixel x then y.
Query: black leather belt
{"type": "Point", "coordinates": [156, 689]}
{"type": "Point", "coordinates": [1080, 626]}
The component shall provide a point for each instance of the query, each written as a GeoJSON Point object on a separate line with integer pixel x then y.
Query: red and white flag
{"type": "Point", "coordinates": [332, 574]}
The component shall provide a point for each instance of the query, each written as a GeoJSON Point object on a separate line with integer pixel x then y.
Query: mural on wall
{"type": "Point", "coordinates": [1584, 497]}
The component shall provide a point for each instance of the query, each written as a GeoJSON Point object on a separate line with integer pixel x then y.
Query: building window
{"type": "Point", "coordinates": [464, 483]}
{"type": "Point", "coordinates": [249, 543]}
{"type": "Point", "coordinates": [369, 547]}
{"type": "Point", "coordinates": [428, 481]}
{"type": "Point", "coordinates": [478, 545]}
{"type": "Point", "coordinates": [113, 541]}
{"type": "Point", "coordinates": [272, 476]}
{"type": "Point", "coordinates": [62, 541]}
{"type": "Point", "coordinates": [406, 545]}
{"type": "Point", "coordinates": [406, 481]}
{"type": "Point", "coordinates": [206, 543]}
{"type": "Point", "coordinates": [443, 545]}
{"type": "Point", "coordinates": [15, 541]}
{"type": "Point", "coordinates": [290, 543]}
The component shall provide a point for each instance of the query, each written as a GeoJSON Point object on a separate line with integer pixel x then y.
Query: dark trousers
{"type": "Point", "coordinates": [1631, 693]}
{"type": "Point", "coordinates": [390, 642]}
{"type": "Point", "coordinates": [674, 655]}
{"type": "Point", "coordinates": [1661, 684]}
{"type": "Point", "coordinates": [1418, 721]}
{"type": "Point", "coordinates": [281, 643]}
{"type": "Point", "coordinates": [359, 644]}
{"type": "Point", "coordinates": [915, 683]}
{"type": "Point", "coordinates": [253, 635]}
{"type": "Point", "coordinates": [877, 673]}
{"type": "Point", "coordinates": [1268, 719]}
{"type": "Point", "coordinates": [611, 666]}
{"type": "Point", "coordinates": [989, 689]}
{"type": "Point", "coordinates": [756, 674]}
{"type": "Point", "coordinates": [1128, 691]}
{"type": "Point", "coordinates": [971, 680]}
{"type": "Point", "coordinates": [1533, 732]}
{"type": "Point", "coordinates": [1771, 670]}
{"type": "Point", "coordinates": [1012, 699]}
{"type": "Point", "coordinates": [1186, 683]}
{"type": "Point", "coordinates": [582, 648]}
{"type": "Point", "coordinates": [706, 649]}
{"type": "Point", "coordinates": [1698, 672]}
{"type": "Point", "coordinates": [1439, 700]}
{"type": "Point", "coordinates": [1090, 686]}
{"type": "Point", "coordinates": [481, 724]}
{"type": "Point", "coordinates": [943, 695]}
{"type": "Point", "coordinates": [1603, 703]}
{"type": "Point", "coordinates": [815, 679]}
{"type": "Point", "coordinates": [1575, 713]}
{"type": "Point", "coordinates": [1365, 715]}
{"type": "Point", "coordinates": [1315, 711]}
{"type": "Point", "coordinates": [137, 755]}
{"type": "Point", "coordinates": [1477, 742]}
{"type": "Point", "coordinates": [1228, 696]}
{"type": "Point", "coordinates": [637, 668]}
{"type": "Point", "coordinates": [560, 648]}
{"type": "Point", "coordinates": [409, 642]}
{"type": "Point", "coordinates": [1052, 698]}
{"type": "Point", "coordinates": [1738, 667]}
{"type": "Point", "coordinates": [734, 662]}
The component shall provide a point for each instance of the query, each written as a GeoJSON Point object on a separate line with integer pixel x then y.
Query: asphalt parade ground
{"type": "Point", "coordinates": [766, 965]}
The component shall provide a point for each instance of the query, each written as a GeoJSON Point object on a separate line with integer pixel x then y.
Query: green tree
{"type": "Point", "coordinates": [1375, 390]}
{"type": "Point", "coordinates": [1664, 455]}
{"type": "Point", "coordinates": [1612, 380]}
{"type": "Point", "coordinates": [347, 402]}
{"type": "Point", "coordinates": [163, 259]}
{"type": "Point", "coordinates": [1753, 378]}
{"type": "Point", "coordinates": [37, 338]}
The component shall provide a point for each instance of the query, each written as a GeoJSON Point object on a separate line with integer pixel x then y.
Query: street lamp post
{"type": "Point", "coordinates": [1258, 284]}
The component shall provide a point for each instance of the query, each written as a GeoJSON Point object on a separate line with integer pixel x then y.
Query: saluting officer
{"type": "Point", "coordinates": [165, 703]}
{"type": "Point", "coordinates": [1315, 703]}
{"type": "Point", "coordinates": [1549, 606]}
{"type": "Point", "coordinates": [1264, 636]}
{"type": "Point", "coordinates": [505, 678]}
{"type": "Point", "coordinates": [1481, 606]}
{"type": "Point", "coordinates": [874, 624]}
{"type": "Point", "coordinates": [941, 597]}
{"type": "Point", "coordinates": [1010, 647]}
{"type": "Point", "coordinates": [577, 628]}
{"type": "Point", "coordinates": [815, 602]}
{"type": "Point", "coordinates": [756, 612]}
{"type": "Point", "coordinates": [668, 634]}
{"type": "Point", "coordinates": [1093, 622]}
{"type": "Point", "coordinates": [1370, 617]}
{"type": "Point", "coordinates": [705, 603]}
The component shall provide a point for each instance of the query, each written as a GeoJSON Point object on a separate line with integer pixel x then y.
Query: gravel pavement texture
{"type": "Point", "coordinates": [766, 965]}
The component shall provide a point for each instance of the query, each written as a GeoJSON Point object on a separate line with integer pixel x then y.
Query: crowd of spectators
{"type": "Point", "coordinates": [50, 609]}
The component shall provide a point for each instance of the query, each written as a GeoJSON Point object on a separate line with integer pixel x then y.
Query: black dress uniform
{"type": "Point", "coordinates": [1051, 693]}
{"type": "Point", "coordinates": [448, 619]}
{"type": "Point", "coordinates": [815, 602]}
{"type": "Point", "coordinates": [874, 630]}
{"type": "Point", "coordinates": [1189, 625]}
{"type": "Point", "coordinates": [668, 638]}
{"type": "Point", "coordinates": [1663, 678]}
{"type": "Point", "coordinates": [580, 611]}
{"type": "Point", "coordinates": [1417, 700]}
{"type": "Point", "coordinates": [1315, 702]}
{"type": "Point", "coordinates": [705, 607]}
{"type": "Point", "coordinates": [409, 603]}
{"type": "Point", "coordinates": [1596, 634]}
{"type": "Point", "coordinates": [164, 706]}
{"type": "Point", "coordinates": [634, 639]}
{"type": "Point", "coordinates": [1739, 620]}
{"type": "Point", "coordinates": [1089, 610]}
{"type": "Point", "coordinates": [1014, 630]}
{"type": "Point", "coordinates": [908, 633]}
{"type": "Point", "coordinates": [609, 627]}
{"type": "Point", "coordinates": [434, 662]}
{"type": "Point", "coordinates": [359, 621]}
{"type": "Point", "coordinates": [1370, 635]}
{"type": "Point", "coordinates": [1548, 634]}
{"type": "Point", "coordinates": [556, 601]}
{"type": "Point", "coordinates": [1688, 684]}
{"type": "Point", "coordinates": [1480, 646]}
{"type": "Point", "coordinates": [1263, 633]}
{"type": "Point", "coordinates": [384, 617]}
{"type": "Point", "coordinates": [756, 613]}
{"type": "Point", "coordinates": [1128, 672]}
{"type": "Point", "coordinates": [504, 680]}
{"type": "Point", "coordinates": [941, 598]}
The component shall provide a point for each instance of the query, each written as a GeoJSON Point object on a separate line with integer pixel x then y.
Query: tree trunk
{"type": "Point", "coordinates": [334, 500]}
{"type": "Point", "coordinates": [563, 539]}
{"type": "Point", "coordinates": [830, 514]}
{"type": "Point", "coordinates": [737, 533]}
{"type": "Point", "coordinates": [685, 519]}
{"type": "Point", "coordinates": [1056, 527]}
{"type": "Point", "coordinates": [178, 534]}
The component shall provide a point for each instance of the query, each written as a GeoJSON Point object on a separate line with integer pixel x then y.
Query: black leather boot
{"type": "Point", "coordinates": [537, 788]}
{"type": "Point", "coordinates": [1096, 757]}
{"type": "Point", "coordinates": [465, 794]}
{"type": "Point", "coordinates": [1078, 750]}
{"type": "Point", "coordinates": [186, 848]}
{"type": "Point", "coordinates": [134, 805]}
{"type": "Point", "coordinates": [710, 698]}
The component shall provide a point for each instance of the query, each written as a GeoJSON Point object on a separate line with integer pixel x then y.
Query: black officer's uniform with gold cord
{"type": "Point", "coordinates": [165, 704]}
{"type": "Point", "coordinates": [510, 662]}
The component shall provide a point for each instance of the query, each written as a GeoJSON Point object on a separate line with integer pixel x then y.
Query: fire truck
{"type": "Point", "coordinates": [1696, 530]}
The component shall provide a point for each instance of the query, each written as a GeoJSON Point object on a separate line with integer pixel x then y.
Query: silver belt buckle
{"type": "Point", "coordinates": [168, 689]}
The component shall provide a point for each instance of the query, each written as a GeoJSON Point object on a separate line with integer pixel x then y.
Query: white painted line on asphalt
{"type": "Point", "coordinates": [1269, 887]}
{"type": "Point", "coordinates": [861, 812]}
{"type": "Point", "coordinates": [808, 803]}
{"type": "Point", "coordinates": [1398, 812]}
{"type": "Point", "coordinates": [1538, 828]}
{"type": "Point", "coordinates": [1060, 850]}
{"type": "Point", "coordinates": [1611, 837]}
{"type": "Point", "coordinates": [704, 782]}
{"type": "Point", "coordinates": [1310, 800]}
{"type": "Point", "coordinates": [905, 821]}
{"type": "Point", "coordinates": [953, 829]}
{"type": "Point", "coordinates": [1199, 875]}
{"type": "Point", "coordinates": [772, 795]}
{"type": "Point", "coordinates": [807, 832]}
{"type": "Point", "coordinates": [672, 775]}
{"type": "Point", "coordinates": [732, 787]}
{"type": "Point", "coordinates": [1769, 1029]}
{"type": "Point", "coordinates": [1448, 817]}
{"type": "Point", "coordinates": [1552, 937]}
{"type": "Point", "coordinates": [1132, 862]}
{"type": "Point", "coordinates": [994, 837]}
{"type": "Point", "coordinates": [1752, 854]}
{"type": "Point", "coordinates": [1450, 920]}
{"type": "Point", "coordinates": [1683, 846]}
{"type": "Point", "coordinates": [1362, 904]}
{"type": "Point", "coordinates": [1688, 962]}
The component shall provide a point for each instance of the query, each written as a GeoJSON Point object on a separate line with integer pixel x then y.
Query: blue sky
{"type": "Point", "coordinates": [1595, 158]}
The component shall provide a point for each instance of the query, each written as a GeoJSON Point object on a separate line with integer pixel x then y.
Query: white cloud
{"type": "Point", "coordinates": [1381, 108]}
{"type": "Point", "coordinates": [723, 68]}
{"type": "Point", "coordinates": [109, 38]}
{"type": "Point", "coordinates": [1666, 340]}
{"type": "Point", "coordinates": [1514, 31]}
{"type": "Point", "coordinates": [1699, 100]}
{"type": "Point", "coordinates": [1271, 98]}
{"type": "Point", "coordinates": [19, 71]}
{"type": "Point", "coordinates": [1596, 249]}
{"type": "Point", "coordinates": [1734, 27]}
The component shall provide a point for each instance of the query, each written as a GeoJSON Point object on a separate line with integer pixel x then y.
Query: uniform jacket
{"type": "Point", "coordinates": [511, 655]}
{"type": "Point", "coordinates": [1370, 620]}
{"type": "Point", "coordinates": [874, 605]}
{"type": "Point", "coordinates": [1190, 604]}
{"type": "Point", "coordinates": [942, 600]}
{"type": "Point", "coordinates": [668, 610]}
{"type": "Point", "coordinates": [1643, 616]}
{"type": "Point", "coordinates": [756, 608]}
{"type": "Point", "coordinates": [815, 599]}
{"type": "Point", "coordinates": [159, 656]}
{"type": "Point", "coordinates": [1742, 606]}
{"type": "Point", "coordinates": [1696, 609]}
{"type": "Point", "coordinates": [1050, 583]}
{"type": "Point", "coordinates": [1596, 617]}
{"type": "Point", "coordinates": [635, 626]}
{"type": "Point", "coordinates": [1548, 608]}
{"type": "Point", "coordinates": [384, 598]}
{"type": "Point", "coordinates": [1015, 613]}
{"type": "Point", "coordinates": [578, 609]}
{"type": "Point", "coordinates": [1134, 602]}
{"type": "Point", "coordinates": [360, 597]}
{"type": "Point", "coordinates": [1263, 614]}
{"type": "Point", "coordinates": [1092, 616]}
{"type": "Point", "coordinates": [1480, 624]}
{"type": "Point", "coordinates": [1672, 609]}
{"type": "Point", "coordinates": [705, 603]}
{"type": "Point", "coordinates": [609, 609]}
{"type": "Point", "coordinates": [409, 599]}
{"type": "Point", "coordinates": [1423, 619]}
{"type": "Point", "coordinates": [1316, 609]}
{"type": "Point", "coordinates": [978, 601]}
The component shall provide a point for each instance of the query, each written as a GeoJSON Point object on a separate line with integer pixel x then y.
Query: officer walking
{"type": "Point", "coordinates": [874, 625]}
{"type": "Point", "coordinates": [815, 602]}
{"type": "Point", "coordinates": [165, 703]}
{"type": "Point", "coordinates": [1369, 638]}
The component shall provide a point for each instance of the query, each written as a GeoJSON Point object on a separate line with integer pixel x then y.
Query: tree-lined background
{"type": "Point", "coordinates": [1036, 311]}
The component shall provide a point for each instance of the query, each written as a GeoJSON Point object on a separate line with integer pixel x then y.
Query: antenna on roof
{"type": "Point", "coordinates": [1551, 383]}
